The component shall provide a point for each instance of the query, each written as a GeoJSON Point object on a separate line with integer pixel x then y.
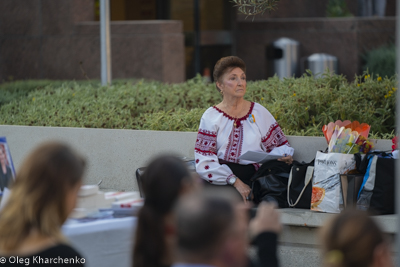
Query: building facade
{"type": "Point", "coordinates": [155, 39]}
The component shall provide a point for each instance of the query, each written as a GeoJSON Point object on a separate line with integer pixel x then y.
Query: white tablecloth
{"type": "Point", "coordinates": [103, 243]}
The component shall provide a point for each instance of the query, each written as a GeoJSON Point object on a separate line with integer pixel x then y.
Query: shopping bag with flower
{"type": "Point", "coordinates": [344, 139]}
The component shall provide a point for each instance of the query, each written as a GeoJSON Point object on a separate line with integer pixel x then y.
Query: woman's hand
{"type": "Point", "coordinates": [243, 189]}
{"type": "Point", "coordinates": [287, 159]}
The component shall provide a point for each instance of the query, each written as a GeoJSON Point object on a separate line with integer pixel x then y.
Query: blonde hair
{"type": "Point", "coordinates": [38, 196]}
{"type": "Point", "coordinates": [349, 240]}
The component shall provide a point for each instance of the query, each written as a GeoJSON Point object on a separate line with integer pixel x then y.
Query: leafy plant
{"type": "Point", "coordinates": [337, 8]}
{"type": "Point", "coordinates": [254, 7]}
{"type": "Point", "coordinates": [381, 61]}
{"type": "Point", "coordinates": [300, 105]}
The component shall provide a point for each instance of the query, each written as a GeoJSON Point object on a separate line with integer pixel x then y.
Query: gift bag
{"type": "Point", "coordinates": [300, 186]}
{"type": "Point", "coordinates": [326, 189]}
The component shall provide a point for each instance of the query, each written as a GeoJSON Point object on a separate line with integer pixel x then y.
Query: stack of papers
{"type": "Point", "coordinates": [91, 200]}
{"type": "Point", "coordinates": [262, 157]}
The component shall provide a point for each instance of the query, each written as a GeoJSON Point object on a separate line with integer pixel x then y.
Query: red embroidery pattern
{"type": "Point", "coordinates": [239, 120]}
{"type": "Point", "coordinates": [206, 143]}
{"type": "Point", "coordinates": [209, 175]}
{"type": "Point", "coordinates": [234, 148]}
{"type": "Point", "coordinates": [274, 138]}
{"type": "Point", "coordinates": [206, 167]}
{"type": "Point", "coordinates": [197, 160]}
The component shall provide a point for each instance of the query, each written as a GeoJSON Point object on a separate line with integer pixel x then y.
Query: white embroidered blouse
{"type": "Point", "coordinates": [219, 138]}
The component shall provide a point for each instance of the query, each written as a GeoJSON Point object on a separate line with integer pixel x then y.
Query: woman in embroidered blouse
{"type": "Point", "coordinates": [234, 127]}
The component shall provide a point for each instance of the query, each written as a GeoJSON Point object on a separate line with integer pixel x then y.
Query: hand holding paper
{"type": "Point", "coordinates": [262, 157]}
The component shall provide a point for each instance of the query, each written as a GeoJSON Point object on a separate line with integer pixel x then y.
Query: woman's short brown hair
{"type": "Point", "coordinates": [226, 64]}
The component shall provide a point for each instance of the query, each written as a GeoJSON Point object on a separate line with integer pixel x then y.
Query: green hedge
{"type": "Point", "coordinates": [381, 61]}
{"type": "Point", "coordinates": [337, 9]}
{"type": "Point", "coordinates": [300, 105]}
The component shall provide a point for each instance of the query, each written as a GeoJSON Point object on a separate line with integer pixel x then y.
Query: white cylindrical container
{"type": "Point", "coordinates": [318, 63]}
{"type": "Point", "coordinates": [287, 64]}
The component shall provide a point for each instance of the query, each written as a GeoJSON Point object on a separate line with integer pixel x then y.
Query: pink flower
{"type": "Point", "coordinates": [394, 141]}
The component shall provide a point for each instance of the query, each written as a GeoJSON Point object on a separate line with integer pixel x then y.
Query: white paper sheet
{"type": "Point", "coordinates": [103, 243]}
{"type": "Point", "coordinates": [260, 157]}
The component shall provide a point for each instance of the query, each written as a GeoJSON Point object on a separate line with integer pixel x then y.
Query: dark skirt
{"type": "Point", "coordinates": [270, 180]}
{"type": "Point", "coordinates": [243, 172]}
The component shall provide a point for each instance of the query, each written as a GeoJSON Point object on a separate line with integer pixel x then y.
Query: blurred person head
{"type": "Point", "coordinates": [223, 67]}
{"type": "Point", "coordinates": [211, 228]}
{"type": "Point", "coordinates": [353, 239]}
{"type": "Point", "coordinates": [43, 195]}
{"type": "Point", "coordinates": [164, 180]}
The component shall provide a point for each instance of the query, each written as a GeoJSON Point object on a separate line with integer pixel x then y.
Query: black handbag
{"type": "Point", "coordinates": [299, 189]}
{"type": "Point", "coordinates": [269, 183]}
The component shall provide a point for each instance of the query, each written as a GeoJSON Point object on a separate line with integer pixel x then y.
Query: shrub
{"type": "Point", "coordinates": [300, 105]}
{"type": "Point", "coordinates": [19, 89]}
{"type": "Point", "coordinates": [337, 8]}
{"type": "Point", "coordinates": [381, 61]}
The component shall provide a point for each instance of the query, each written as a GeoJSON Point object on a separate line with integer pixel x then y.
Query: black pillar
{"type": "Point", "coordinates": [163, 9]}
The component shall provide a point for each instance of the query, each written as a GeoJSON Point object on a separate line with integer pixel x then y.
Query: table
{"type": "Point", "coordinates": [103, 243]}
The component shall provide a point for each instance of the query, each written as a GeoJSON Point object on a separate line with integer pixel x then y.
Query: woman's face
{"type": "Point", "coordinates": [233, 83]}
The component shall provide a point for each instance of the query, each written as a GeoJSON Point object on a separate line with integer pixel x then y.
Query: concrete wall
{"type": "Point", "coordinates": [345, 38]}
{"type": "Point", "coordinates": [46, 39]}
{"type": "Point", "coordinates": [114, 155]}
{"type": "Point", "coordinates": [150, 49]}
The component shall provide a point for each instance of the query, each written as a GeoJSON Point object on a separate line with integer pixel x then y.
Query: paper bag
{"type": "Point", "coordinates": [326, 190]}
